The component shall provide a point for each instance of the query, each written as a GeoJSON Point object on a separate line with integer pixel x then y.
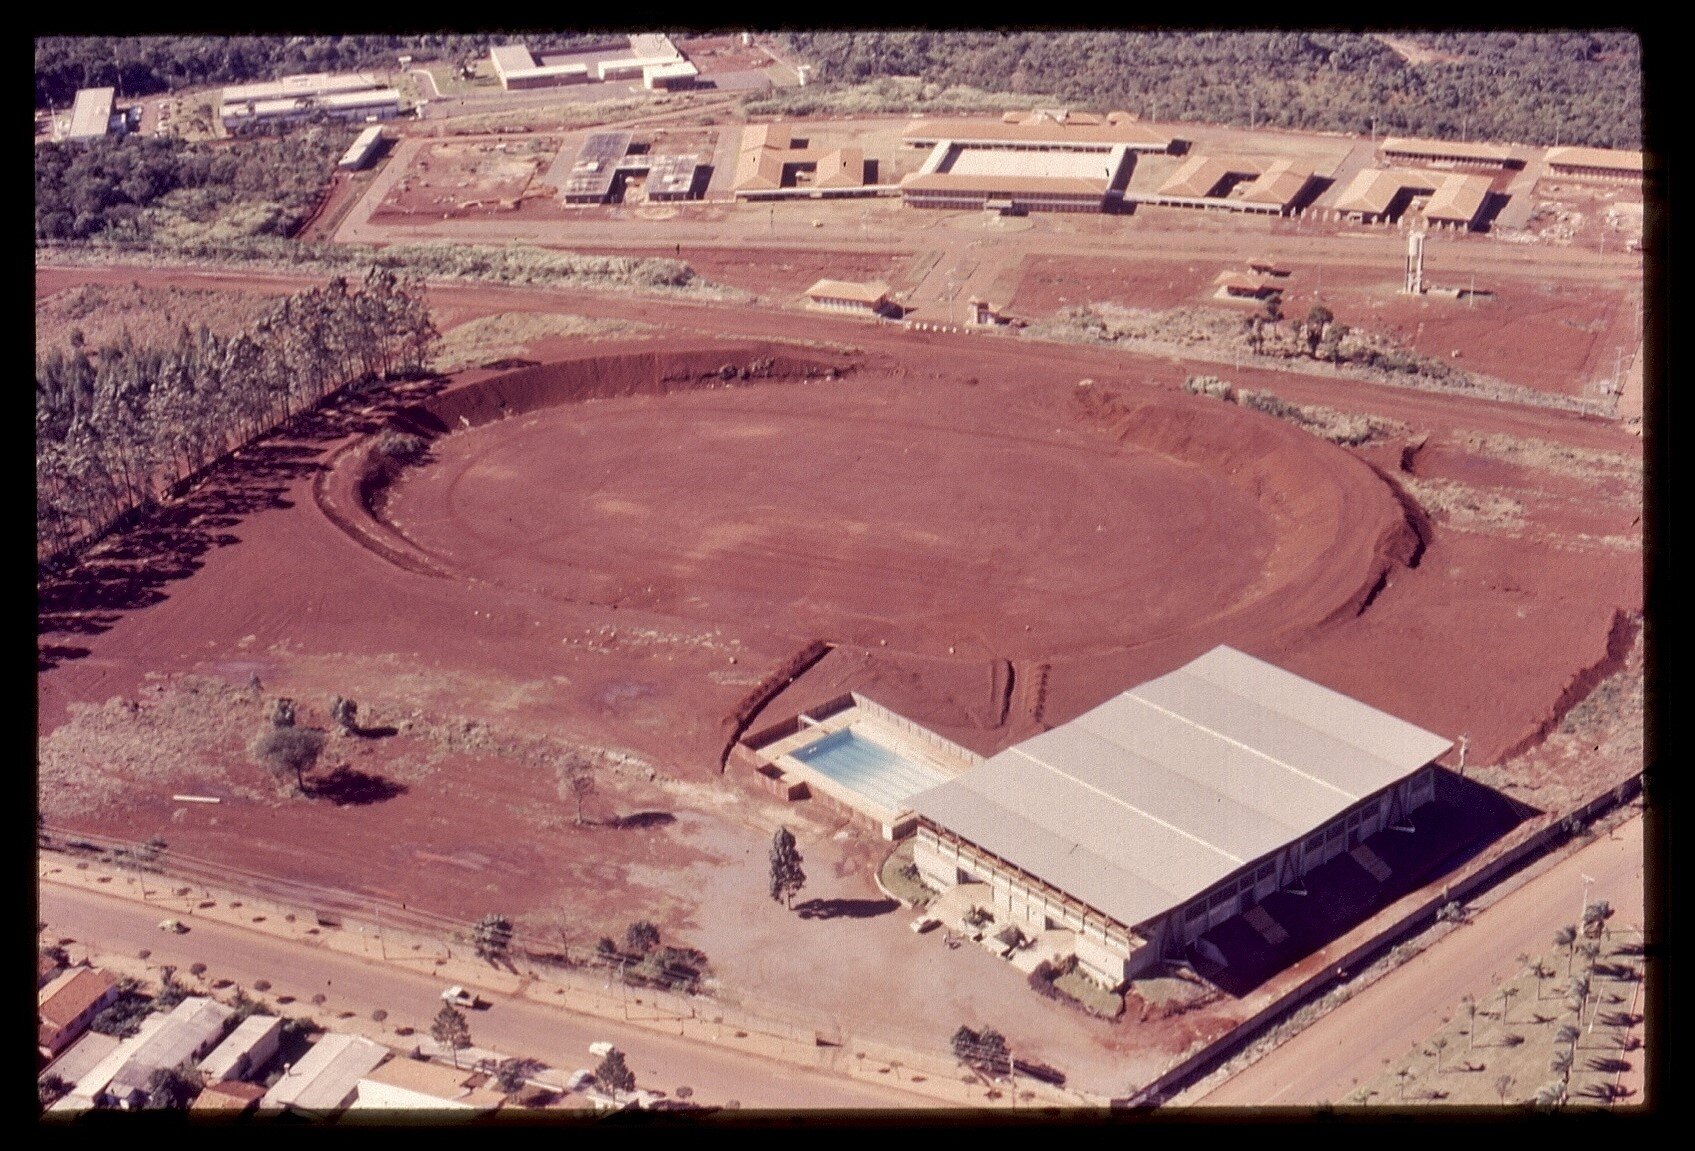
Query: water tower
{"type": "Point", "coordinates": [1415, 263]}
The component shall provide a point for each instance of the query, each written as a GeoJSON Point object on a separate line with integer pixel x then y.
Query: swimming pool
{"type": "Point", "coordinates": [868, 768]}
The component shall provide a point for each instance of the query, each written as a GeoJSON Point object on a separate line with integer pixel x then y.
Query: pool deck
{"type": "Point", "coordinates": [865, 725]}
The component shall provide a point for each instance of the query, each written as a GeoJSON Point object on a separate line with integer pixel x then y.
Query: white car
{"type": "Point", "coordinates": [459, 997]}
{"type": "Point", "coordinates": [174, 926]}
{"type": "Point", "coordinates": [601, 1048]}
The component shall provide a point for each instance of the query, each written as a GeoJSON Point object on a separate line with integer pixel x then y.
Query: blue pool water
{"type": "Point", "coordinates": [868, 768]}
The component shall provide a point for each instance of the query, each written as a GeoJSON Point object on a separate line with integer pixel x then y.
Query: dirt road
{"type": "Point", "coordinates": [1352, 1044]}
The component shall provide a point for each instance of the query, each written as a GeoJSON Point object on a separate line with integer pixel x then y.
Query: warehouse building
{"type": "Point", "coordinates": [1173, 807]}
{"type": "Point", "coordinates": [1384, 195]}
{"type": "Point", "coordinates": [1448, 154]}
{"type": "Point", "coordinates": [516, 70]}
{"type": "Point", "coordinates": [91, 115]}
{"type": "Point", "coordinates": [653, 58]}
{"type": "Point", "coordinates": [309, 85]}
{"type": "Point", "coordinates": [1050, 160]}
{"type": "Point", "coordinates": [362, 150]}
{"type": "Point", "coordinates": [364, 104]}
{"type": "Point", "coordinates": [245, 1050]}
{"type": "Point", "coordinates": [1596, 163]}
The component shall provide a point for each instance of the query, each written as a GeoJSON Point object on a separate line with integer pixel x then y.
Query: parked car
{"type": "Point", "coordinates": [459, 997]}
{"type": "Point", "coordinates": [601, 1048]}
{"type": "Point", "coordinates": [174, 926]}
{"type": "Point", "coordinates": [925, 923]}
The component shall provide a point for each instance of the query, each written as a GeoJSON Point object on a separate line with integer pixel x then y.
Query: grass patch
{"type": "Point", "coordinates": [1465, 507]}
{"type": "Point", "coordinates": [899, 877]}
{"type": "Point", "coordinates": [478, 341]}
{"type": "Point", "coordinates": [105, 313]}
{"type": "Point", "coordinates": [1093, 998]}
{"type": "Point", "coordinates": [890, 94]}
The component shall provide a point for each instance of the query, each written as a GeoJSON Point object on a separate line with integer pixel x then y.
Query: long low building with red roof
{"type": "Point", "coordinates": [1449, 153]}
{"type": "Point", "coordinates": [1599, 163]}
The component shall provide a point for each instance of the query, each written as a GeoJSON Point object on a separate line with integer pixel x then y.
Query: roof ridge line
{"type": "Point", "coordinates": [1350, 796]}
{"type": "Point", "coordinates": [1128, 806]}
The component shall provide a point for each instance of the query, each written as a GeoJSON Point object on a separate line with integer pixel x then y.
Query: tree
{"type": "Point", "coordinates": [513, 1074]}
{"type": "Point", "coordinates": [51, 1089]}
{"type": "Point", "coordinates": [282, 712]}
{"type": "Point", "coordinates": [451, 1030]}
{"type": "Point", "coordinates": [1565, 937]}
{"type": "Point", "coordinates": [288, 750]}
{"type": "Point", "coordinates": [172, 1087]}
{"type": "Point", "coordinates": [576, 782]}
{"type": "Point", "coordinates": [1470, 1006]}
{"type": "Point", "coordinates": [1440, 1043]}
{"type": "Point", "coordinates": [787, 877]}
{"type": "Point", "coordinates": [642, 937]}
{"type": "Point", "coordinates": [1503, 1084]}
{"type": "Point", "coordinates": [1508, 994]}
{"type": "Point", "coordinates": [1560, 1064]}
{"type": "Point", "coordinates": [614, 1074]}
{"type": "Point", "coordinates": [492, 937]}
{"type": "Point", "coordinates": [345, 713]}
{"type": "Point", "coordinates": [1567, 1034]}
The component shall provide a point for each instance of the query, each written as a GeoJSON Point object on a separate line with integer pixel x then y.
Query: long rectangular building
{"type": "Point", "coordinates": [1449, 153]}
{"type": "Point", "coordinates": [91, 114]}
{"type": "Point", "coordinates": [365, 104]}
{"type": "Point", "coordinates": [1599, 163]}
{"type": "Point", "coordinates": [1172, 807]}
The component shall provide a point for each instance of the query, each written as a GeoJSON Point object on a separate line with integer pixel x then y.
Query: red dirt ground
{"type": "Point", "coordinates": [1482, 636]}
{"type": "Point", "coordinates": [1541, 334]}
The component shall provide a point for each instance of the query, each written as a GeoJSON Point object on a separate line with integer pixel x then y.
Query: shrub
{"type": "Point", "coordinates": [402, 447]}
{"type": "Point", "coordinates": [1209, 386]}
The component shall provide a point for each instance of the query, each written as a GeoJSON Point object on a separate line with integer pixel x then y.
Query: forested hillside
{"type": "Point", "coordinates": [1534, 88]}
{"type": "Point", "coordinates": [143, 65]}
{"type": "Point", "coordinates": [131, 188]}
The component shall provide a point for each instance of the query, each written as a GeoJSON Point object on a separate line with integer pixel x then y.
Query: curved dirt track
{"type": "Point", "coordinates": [987, 521]}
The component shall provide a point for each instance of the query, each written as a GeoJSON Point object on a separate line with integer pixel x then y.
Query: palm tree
{"type": "Point", "coordinates": [1404, 1074]}
{"type": "Point", "coordinates": [1560, 1064]}
{"type": "Point", "coordinates": [1567, 1034]}
{"type": "Point", "coordinates": [1470, 1006]}
{"type": "Point", "coordinates": [1440, 1043]}
{"type": "Point", "coordinates": [1503, 1084]}
{"type": "Point", "coordinates": [1565, 937]}
{"type": "Point", "coordinates": [1508, 993]}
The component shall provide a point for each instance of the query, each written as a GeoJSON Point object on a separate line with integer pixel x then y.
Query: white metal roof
{"type": "Point", "coordinates": [247, 1037]}
{"type": "Point", "coordinates": [91, 114]}
{"type": "Point", "coordinates": [1159, 793]}
{"type": "Point", "coordinates": [327, 1076]}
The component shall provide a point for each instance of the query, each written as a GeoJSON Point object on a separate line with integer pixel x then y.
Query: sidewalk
{"type": "Point", "coordinates": [929, 1074]}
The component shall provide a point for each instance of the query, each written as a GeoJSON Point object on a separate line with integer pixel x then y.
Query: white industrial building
{"type": "Point", "coordinates": [91, 114]}
{"type": "Point", "coordinates": [359, 153]}
{"type": "Point", "coordinates": [1172, 807]}
{"type": "Point", "coordinates": [190, 1030]}
{"type": "Point", "coordinates": [350, 96]}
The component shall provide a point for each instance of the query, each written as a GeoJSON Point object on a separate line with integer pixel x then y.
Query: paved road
{"type": "Point", "coordinates": [122, 927]}
{"type": "Point", "coordinates": [1353, 1043]}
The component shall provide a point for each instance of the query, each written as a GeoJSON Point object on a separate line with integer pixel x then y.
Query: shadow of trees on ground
{"type": "Point", "coordinates": [844, 908]}
{"type": "Point", "coordinates": [156, 546]}
{"type": "Point", "coordinates": [348, 787]}
{"type": "Point", "coordinates": [639, 819]}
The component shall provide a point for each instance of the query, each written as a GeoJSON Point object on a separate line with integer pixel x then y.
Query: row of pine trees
{"type": "Point", "coordinates": [119, 425]}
